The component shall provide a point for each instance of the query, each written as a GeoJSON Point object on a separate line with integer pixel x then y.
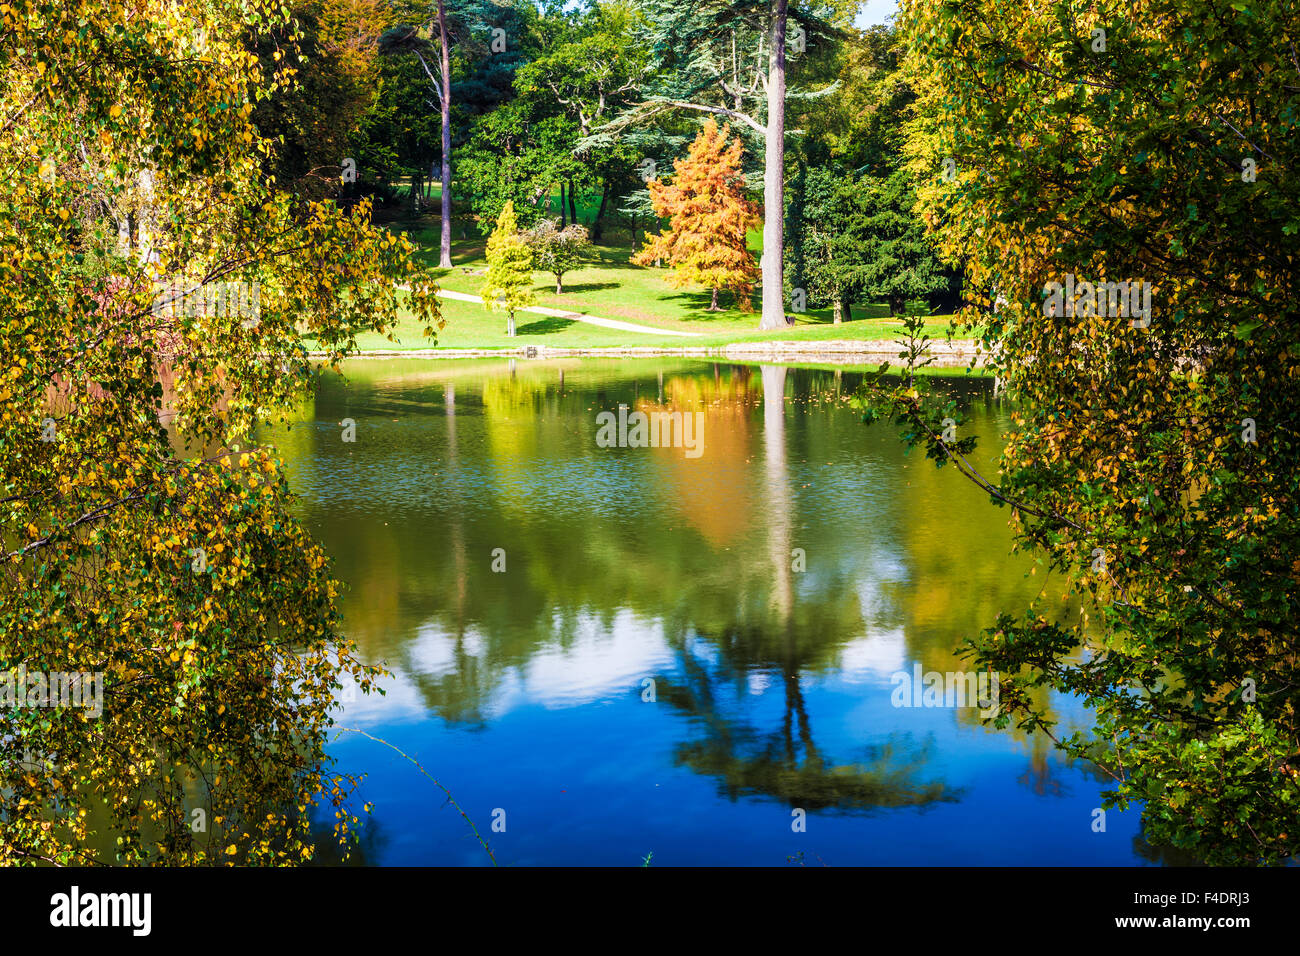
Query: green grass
{"type": "Point", "coordinates": [469, 325]}
{"type": "Point", "coordinates": [610, 287]}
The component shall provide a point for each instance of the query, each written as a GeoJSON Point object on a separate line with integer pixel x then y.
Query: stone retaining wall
{"type": "Point", "coordinates": [954, 354]}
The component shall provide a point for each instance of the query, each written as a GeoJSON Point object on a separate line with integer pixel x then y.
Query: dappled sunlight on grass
{"type": "Point", "coordinates": [611, 287]}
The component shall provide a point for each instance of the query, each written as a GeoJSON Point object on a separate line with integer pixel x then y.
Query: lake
{"type": "Point", "coordinates": [611, 652]}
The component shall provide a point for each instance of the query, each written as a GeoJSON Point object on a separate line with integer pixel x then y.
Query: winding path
{"type": "Point", "coordinates": [578, 317]}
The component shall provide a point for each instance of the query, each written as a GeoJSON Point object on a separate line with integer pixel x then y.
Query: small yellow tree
{"type": "Point", "coordinates": [708, 218]}
{"type": "Point", "coordinates": [509, 284]}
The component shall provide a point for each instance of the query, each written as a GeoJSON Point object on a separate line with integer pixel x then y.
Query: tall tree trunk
{"type": "Point", "coordinates": [774, 176]}
{"type": "Point", "coordinates": [564, 211]}
{"type": "Point", "coordinates": [837, 310]}
{"type": "Point", "coordinates": [573, 208]}
{"type": "Point", "coordinates": [559, 283]}
{"type": "Point", "coordinates": [598, 225]}
{"type": "Point", "coordinates": [444, 254]}
{"type": "Point", "coordinates": [713, 306]}
{"type": "Point", "coordinates": [510, 324]}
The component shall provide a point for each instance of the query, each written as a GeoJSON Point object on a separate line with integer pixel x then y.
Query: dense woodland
{"type": "Point", "coordinates": [571, 111]}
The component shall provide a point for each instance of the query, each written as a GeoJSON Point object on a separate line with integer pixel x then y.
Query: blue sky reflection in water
{"type": "Point", "coordinates": [523, 690]}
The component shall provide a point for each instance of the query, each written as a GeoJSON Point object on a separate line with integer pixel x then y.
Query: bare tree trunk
{"type": "Point", "coordinates": [713, 306]}
{"type": "Point", "coordinates": [837, 310]}
{"type": "Point", "coordinates": [573, 208]}
{"type": "Point", "coordinates": [444, 254]}
{"type": "Point", "coordinates": [598, 225]}
{"type": "Point", "coordinates": [774, 176]}
{"type": "Point", "coordinates": [559, 283]}
{"type": "Point", "coordinates": [564, 212]}
{"type": "Point", "coordinates": [510, 324]}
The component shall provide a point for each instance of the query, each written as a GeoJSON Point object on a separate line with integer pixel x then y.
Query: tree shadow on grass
{"type": "Point", "coordinates": [617, 256]}
{"type": "Point", "coordinates": [818, 317]}
{"type": "Point", "coordinates": [695, 307]}
{"type": "Point", "coordinates": [545, 326]}
{"type": "Point", "coordinates": [860, 313]}
{"type": "Point", "coordinates": [584, 287]}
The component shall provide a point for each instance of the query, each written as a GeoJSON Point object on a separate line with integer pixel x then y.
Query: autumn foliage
{"type": "Point", "coordinates": [148, 543]}
{"type": "Point", "coordinates": [709, 215]}
{"type": "Point", "coordinates": [1153, 461]}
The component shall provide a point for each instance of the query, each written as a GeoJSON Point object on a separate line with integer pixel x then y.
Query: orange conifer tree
{"type": "Point", "coordinates": [709, 215]}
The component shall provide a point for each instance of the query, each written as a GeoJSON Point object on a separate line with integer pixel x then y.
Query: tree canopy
{"type": "Point", "coordinates": [1154, 455]}
{"type": "Point", "coordinates": [145, 540]}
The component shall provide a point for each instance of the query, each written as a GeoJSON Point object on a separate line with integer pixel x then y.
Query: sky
{"type": "Point", "coordinates": [875, 11]}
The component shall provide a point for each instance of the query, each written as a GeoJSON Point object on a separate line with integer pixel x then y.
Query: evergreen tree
{"type": "Point", "coordinates": [833, 234]}
{"type": "Point", "coordinates": [860, 240]}
{"type": "Point", "coordinates": [898, 261]}
{"type": "Point", "coordinates": [509, 284]}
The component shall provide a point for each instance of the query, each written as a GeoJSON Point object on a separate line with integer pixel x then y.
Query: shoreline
{"type": "Point", "coordinates": [955, 354]}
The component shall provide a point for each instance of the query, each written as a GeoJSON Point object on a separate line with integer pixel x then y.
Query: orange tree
{"type": "Point", "coordinates": [709, 215]}
{"type": "Point", "coordinates": [1154, 458]}
{"type": "Point", "coordinates": [138, 543]}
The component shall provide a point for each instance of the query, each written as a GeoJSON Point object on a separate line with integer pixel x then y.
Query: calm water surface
{"type": "Point", "coordinates": [523, 690]}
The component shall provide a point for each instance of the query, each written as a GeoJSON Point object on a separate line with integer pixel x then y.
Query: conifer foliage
{"type": "Point", "coordinates": [709, 215]}
{"type": "Point", "coordinates": [509, 285]}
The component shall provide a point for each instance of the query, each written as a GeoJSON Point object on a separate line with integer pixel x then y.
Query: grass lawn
{"type": "Point", "coordinates": [609, 287]}
{"type": "Point", "coordinates": [469, 325]}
